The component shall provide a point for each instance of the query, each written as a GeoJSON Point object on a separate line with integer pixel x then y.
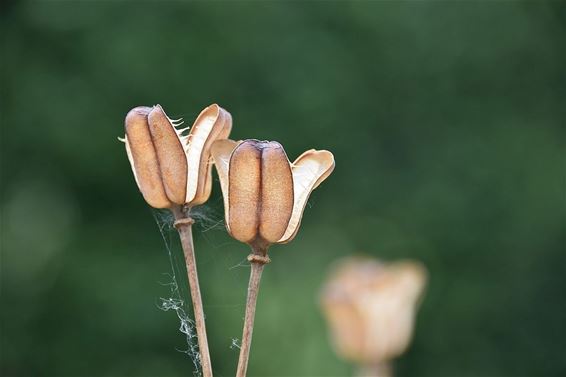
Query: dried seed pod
{"type": "Point", "coordinates": [264, 194]}
{"type": "Point", "coordinates": [370, 308]}
{"type": "Point", "coordinates": [264, 198]}
{"type": "Point", "coordinates": [171, 168]}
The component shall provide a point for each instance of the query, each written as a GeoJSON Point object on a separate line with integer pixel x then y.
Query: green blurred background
{"type": "Point", "coordinates": [447, 120]}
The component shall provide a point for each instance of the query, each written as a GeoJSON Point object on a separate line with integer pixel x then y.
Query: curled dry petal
{"type": "Point", "coordinates": [221, 154]}
{"type": "Point", "coordinates": [309, 170]}
{"type": "Point", "coordinates": [171, 168]}
{"type": "Point", "coordinates": [264, 195]}
{"type": "Point", "coordinates": [213, 123]}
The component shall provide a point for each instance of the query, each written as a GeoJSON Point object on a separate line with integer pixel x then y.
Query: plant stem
{"type": "Point", "coordinates": [183, 223]}
{"type": "Point", "coordinates": [382, 369]}
{"type": "Point", "coordinates": [258, 259]}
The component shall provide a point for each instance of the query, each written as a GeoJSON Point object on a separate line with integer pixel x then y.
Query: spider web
{"type": "Point", "coordinates": [178, 296]}
{"type": "Point", "coordinates": [176, 301]}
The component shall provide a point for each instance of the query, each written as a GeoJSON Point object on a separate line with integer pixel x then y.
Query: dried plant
{"type": "Point", "coordinates": [173, 170]}
{"type": "Point", "coordinates": [370, 307]}
{"type": "Point", "coordinates": [264, 199]}
{"type": "Point", "coordinates": [264, 193]}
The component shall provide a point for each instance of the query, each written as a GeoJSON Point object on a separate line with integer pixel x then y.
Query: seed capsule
{"type": "Point", "coordinates": [264, 194]}
{"type": "Point", "coordinates": [171, 168]}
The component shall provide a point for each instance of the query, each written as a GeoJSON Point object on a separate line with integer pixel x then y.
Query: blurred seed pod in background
{"type": "Point", "coordinates": [370, 307]}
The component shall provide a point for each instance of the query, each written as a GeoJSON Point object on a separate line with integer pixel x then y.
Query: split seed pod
{"type": "Point", "coordinates": [370, 307]}
{"type": "Point", "coordinates": [169, 167]}
{"type": "Point", "coordinates": [264, 194]}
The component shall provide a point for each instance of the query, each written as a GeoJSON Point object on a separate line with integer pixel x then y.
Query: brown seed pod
{"type": "Point", "coordinates": [171, 168]}
{"type": "Point", "coordinates": [264, 194]}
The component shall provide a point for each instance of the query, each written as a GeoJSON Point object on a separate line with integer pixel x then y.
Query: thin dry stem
{"type": "Point", "coordinates": [258, 260]}
{"type": "Point", "coordinates": [382, 369]}
{"type": "Point", "coordinates": [183, 223]}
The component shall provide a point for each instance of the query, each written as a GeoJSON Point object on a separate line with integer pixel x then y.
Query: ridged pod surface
{"type": "Point", "coordinates": [260, 193]}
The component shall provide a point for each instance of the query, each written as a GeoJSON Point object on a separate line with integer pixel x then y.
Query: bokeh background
{"type": "Point", "coordinates": [447, 120]}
